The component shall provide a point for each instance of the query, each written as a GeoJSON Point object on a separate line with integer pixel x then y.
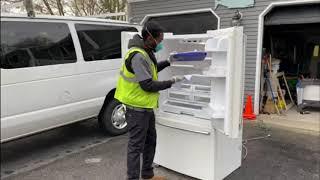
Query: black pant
{"type": "Point", "coordinates": [142, 140]}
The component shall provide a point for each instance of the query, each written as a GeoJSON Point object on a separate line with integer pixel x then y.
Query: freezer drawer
{"type": "Point", "coordinates": [185, 151]}
{"type": "Point", "coordinates": [193, 147]}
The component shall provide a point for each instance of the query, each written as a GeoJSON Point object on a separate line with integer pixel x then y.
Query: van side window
{"type": "Point", "coordinates": [101, 42]}
{"type": "Point", "coordinates": [27, 44]}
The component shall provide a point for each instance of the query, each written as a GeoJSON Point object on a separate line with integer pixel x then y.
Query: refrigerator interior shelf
{"type": "Point", "coordinates": [211, 75]}
{"type": "Point", "coordinates": [182, 65]}
{"type": "Point", "coordinates": [216, 50]}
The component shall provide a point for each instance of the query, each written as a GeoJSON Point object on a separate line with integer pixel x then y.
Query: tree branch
{"type": "Point", "coordinates": [83, 7]}
{"type": "Point", "coordinates": [48, 7]}
{"type": "Point", "coordinates": [77, 8]}
{"type": "Point", "coordinates": [60, 7]}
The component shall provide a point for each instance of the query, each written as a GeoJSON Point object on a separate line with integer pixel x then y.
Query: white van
{"type": "Point", "coordinates": [59, 70]}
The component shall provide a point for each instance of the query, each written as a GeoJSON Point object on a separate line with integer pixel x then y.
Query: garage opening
{"type": "Point", "coordinates": [291, 60]}
{"type": "Point", "coordinates": [296, 46]}
{"type": "Point", "coordinates": [187, 22]}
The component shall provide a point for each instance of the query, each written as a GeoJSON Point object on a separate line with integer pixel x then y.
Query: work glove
{"type": "Point", "coordinates": [176, 79]}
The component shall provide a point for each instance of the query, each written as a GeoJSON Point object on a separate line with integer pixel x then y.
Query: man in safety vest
{"type": "Point", "coordinates": [138, 89]}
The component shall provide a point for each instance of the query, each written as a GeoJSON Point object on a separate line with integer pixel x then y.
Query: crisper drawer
{"type": "Point", "coordinates": [195, 110]}
{"type": "Point", "coordinates": [192, 93]}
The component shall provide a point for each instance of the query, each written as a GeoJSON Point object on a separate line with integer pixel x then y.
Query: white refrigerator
{"type": "Point", "coordinates": [199, 121]}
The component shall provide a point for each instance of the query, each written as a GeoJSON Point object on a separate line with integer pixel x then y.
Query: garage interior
{"type": "Point", "coordinates": [291, 63]}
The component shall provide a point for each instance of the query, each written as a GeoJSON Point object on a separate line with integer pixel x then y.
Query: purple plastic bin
{"type": "Point", "coordinates": [190, 56]}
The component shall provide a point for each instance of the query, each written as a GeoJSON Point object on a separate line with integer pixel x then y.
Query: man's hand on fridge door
{"type": "Point", "coordinates": [176, 79]}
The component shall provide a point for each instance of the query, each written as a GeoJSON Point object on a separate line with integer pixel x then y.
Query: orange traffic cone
{"type": "Point", "coordinates": [248, 111]}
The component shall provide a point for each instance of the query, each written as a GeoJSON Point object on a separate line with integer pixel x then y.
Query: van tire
{"type": "Point", "coordinates": [106, 122]}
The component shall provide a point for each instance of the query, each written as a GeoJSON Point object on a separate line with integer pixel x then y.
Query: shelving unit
{"type": "Point", "coordinates": [204, 95]}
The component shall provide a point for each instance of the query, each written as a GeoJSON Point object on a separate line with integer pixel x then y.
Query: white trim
{"type": "Point", "coordinates": [260, 41]}
{"type": "Point", "coordinates": [66, 18]}
{"type": "Point", "coordinates": [181, 12]}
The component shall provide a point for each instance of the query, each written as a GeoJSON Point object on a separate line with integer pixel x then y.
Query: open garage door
{"type": "Point", "coordinates": [186, 22]}
{"type": "Point", "coordinates": [299, 14]}
{"type": "Point", "coordinates": [292, 39]}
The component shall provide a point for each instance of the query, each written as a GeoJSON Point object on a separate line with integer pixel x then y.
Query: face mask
{"type": "Point", "coordinates": [158, 47]}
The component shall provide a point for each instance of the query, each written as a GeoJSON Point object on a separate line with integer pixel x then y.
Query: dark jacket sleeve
{"type": "Point", "coordinates": [163, 64]}
{"type": "Point", "coordinates": [143, 74]}
{"type": "Point", "coordinates": [154, 86]}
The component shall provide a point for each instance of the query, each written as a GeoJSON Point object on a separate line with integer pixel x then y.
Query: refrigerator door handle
{"type": "Point", "coordinates": [194, 131]}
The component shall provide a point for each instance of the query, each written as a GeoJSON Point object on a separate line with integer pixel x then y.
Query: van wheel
{"type": "Point", "coordinates": [112, 119]}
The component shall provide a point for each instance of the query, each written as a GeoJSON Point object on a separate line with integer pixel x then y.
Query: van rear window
{"type": "Point", "coordinates": [27, 44]}
{"type": "Point", "coordinates": [101, 42]}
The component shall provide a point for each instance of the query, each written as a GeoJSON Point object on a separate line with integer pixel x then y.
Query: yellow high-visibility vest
{"type": "Point", "coordinates": [128, 90]}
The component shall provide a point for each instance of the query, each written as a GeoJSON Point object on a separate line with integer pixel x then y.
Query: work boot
{"type": "Point", "coordinates": [156, 178]}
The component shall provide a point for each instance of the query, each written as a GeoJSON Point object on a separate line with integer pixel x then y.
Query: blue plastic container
{"type": "Point", "coordinates": [190, 56]}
